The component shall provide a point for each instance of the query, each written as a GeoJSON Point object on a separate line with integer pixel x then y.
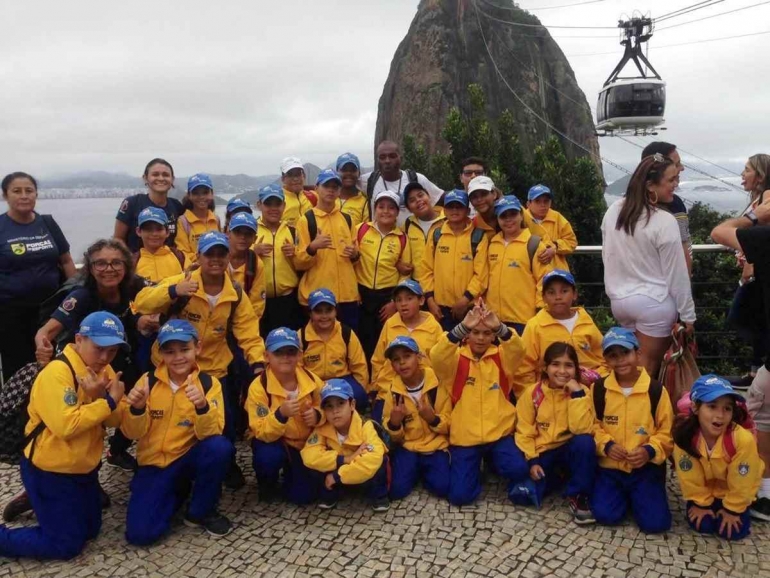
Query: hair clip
{"type": "Point", "coordinates": [658, 158]}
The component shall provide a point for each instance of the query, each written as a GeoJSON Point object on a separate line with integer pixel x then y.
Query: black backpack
{"type": "Point", "coordinates": [52, 303]}
{"type": "Point", "coordinates": [312, 224]}
{"type": "Point", "coordinates": [375, 176]}
{"type": "Point", "coordinates": [382, 433]}
{"type": "Point", "coordinates": [599, 392]}
{"type": "Point", "coordinates": [477, 235]}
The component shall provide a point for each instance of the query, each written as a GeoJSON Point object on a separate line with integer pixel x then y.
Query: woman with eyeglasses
{"type": "Point", "coordinates": [645, 272]}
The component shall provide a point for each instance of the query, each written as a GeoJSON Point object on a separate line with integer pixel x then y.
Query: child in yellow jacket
{"type": "Point", "coordinates": [180, 441]}
{"type": "Point", "coordinates": [416, 416]}
{"type": "Point", "coordinates": [156, 260]}
{"type": "Point", "coordinates": [346, 450]}
{"type": "Point", "coordinates": [551, 226]}
{"type": "Point", "coordinates": [283, 407]}
{"type": "Point", "coordinates": [353, 201]}
{"type": "Point", "coordinates": [559, 321]}
{"type": "Point", "coordinates": [478, 374]}
{"type": "Point", "coordinates": [245, 267]}
{"type": "Point", "coordinates": [717, 462]}
{"type": "Point", "coordinates": [633, 439]}
{"type": "Point", "coordinates": [199, 216]}
{"type": "Point", "coordinates": [419, 225]}
{"type": "Point", "coordinates": [554, 430]}
{"type": "Point", "coordinates": [293, 181]}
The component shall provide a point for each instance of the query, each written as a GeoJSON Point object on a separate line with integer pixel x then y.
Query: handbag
{"type": "Point", "coordinates": [679, 369]}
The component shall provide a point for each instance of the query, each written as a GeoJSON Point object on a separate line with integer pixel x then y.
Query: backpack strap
{"type": "Point", "coordinates": [234, 306]}
{"type": "Point", "coordinates": [206, 381]}
{"type": "Point", "coordinates": [728, 443]}
{"type": "Point", "coordinates": [178, 254]}
{"type": "Point", "coordinates": [263, 382]}
{"type": "Point", "coordinates": [362, 231]}
{"type": "Point", "coordinates": [302, 339]}
{"type": "Point", "coordinates": [411, 175]}
{"type": "Point", "coordinates": [532, 245]}
{"type": "Point", "coordinates": [185, 222]}
{"type": "Point", "coordinates": [252, 265]}
{"type": "Point", "coordinates": [461, 376]}
{"type": "Point", "coordinates": [293, 231]}
{"type": "Point", "coordinates": [655, 391]}
{"type": "Point", "coordinates": [599, 393]}
{"type": "Point", "coordinates": [346, 332]}
{"type": "Point", "coordinates": [432, 393]}
{"type": "Point", "coordinates": [537, 395]}
{"type": "Point", "coordinates": [348, 220]}
{"type": "Point", "coordinates": [152, 379]}
{"type": "Point", "coordinates": [477, 235]}
{"type": "Point", "coordinates": [402, 241]}
{"type": "Point", "coordinates": [502, 378]}
{"type": "Point", "coordinates": [371, 183]}
{"type": "Point", "coordinates": [436, 238]}
{"type": "Point", "coordinates": [312, 224]}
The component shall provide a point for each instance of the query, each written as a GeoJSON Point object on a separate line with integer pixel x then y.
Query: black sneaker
{"type": "Point", "coordinates": [104, 497]}
{"type": "Point", "coordinates": [234, 479]}
{"type": "Point", "coordinates": [123, 461]}
{"type": "Point", "coordinates": [760, 509]}
{"type": "Point", "coordinates": [327, 504]}
{"type": "Point", "coordinates": [216, 524]}
{"type": "Point", "coordinates": [269, 493]}
{"type": "Point", "coordinates": [381, 505]}
{"type": "Point", "coordinates": [18, 505]}
{"type": "Point", "coordinates": [581, 509]}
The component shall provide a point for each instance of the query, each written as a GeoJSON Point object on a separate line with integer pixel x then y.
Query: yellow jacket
{"type": "Point", "coordinates": [450, 271]}
{"type": "Point", "coordinates": [327, 268]}
{"type": "Point", "coordinates": [266, 423]}
{"type": "Point", "coordinates": [628, 422]}
{"type": "Point", "coordinates": [734, 480]}
{"type": "Point", "coordinates": [490, 230]}
{"type": "Point", "coordinates": [73, 439]}
{"type": "Point", "coordinates": [483, 414]}
{"type": "Point", "coordinates": [332, 358]}
{"type": "Point", "coordinates": [426, 334]}
{"type": "Point", "coordinates": [416, 434]}
{"type": "Point", "coordinates": [158, 265]}
{"type": "Point", "coordinates": [376, 267]}
{"type": "Point", "coordinates": [548, 418]}
{"type": "Point", "coordinates": [543, 330]}
{"type": "Point", "coordinates": [357, 207]}
{"type": "Point", "coordinates": [555, 231]}
{"type": "Point", "coordinates": [171, 425]}
{"type": "Point", "coordinates": [280, 276]}
{"type": "Point", "coordinates": [187, 242]}
{"type": "Point", "coordinates": [418, 239]}
{"type": "Point", "coordinates": [212, 325]}
{"type": "Point", "coordinates": [324, 453]}
{"type": "Point", "coordinates": [515, 281]}
{"type": "Point", "coordinates": [257, 292]}
{"type": "Point", "coordinates": [296, 206]}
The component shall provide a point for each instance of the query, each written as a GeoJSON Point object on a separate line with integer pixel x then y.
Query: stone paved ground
{"type": "Point", "coordinates": [420, 536]}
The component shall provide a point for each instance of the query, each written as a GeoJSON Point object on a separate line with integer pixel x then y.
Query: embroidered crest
{"type": "Point", "coordinates": [641, 431]}
{"type": "Point", "coordinates": [262, 410]}
{"type": "Point", "coordinates": [185, 423]}
{"type": "Point", "coordinates": [18, 248]}
{"type": "Point", "coordinates": [313, 439]}
{"type": "Point", "coordinates": [685, 463]}
{"type": "Point", "coordinates": [743, 469]}
{"type": "Point", "coordinates": [69, 304]}
{"type": "Point", "coordinates": [70, 397]}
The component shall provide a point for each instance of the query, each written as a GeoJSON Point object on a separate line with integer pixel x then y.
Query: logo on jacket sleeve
{"type": "Point", "coordinates": [70, 397]}
{"type": "Point", "coordinates": [262, 410]}
{"type": "Point", "coordinates": [313, 439]}
{"type": "Point", "coordinates": [685, 463]}
{"type": "Point", "coordinates": [743, 469]}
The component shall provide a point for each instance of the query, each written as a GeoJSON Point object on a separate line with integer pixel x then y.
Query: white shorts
{"type": "Point", "coordinates": [645, 315]}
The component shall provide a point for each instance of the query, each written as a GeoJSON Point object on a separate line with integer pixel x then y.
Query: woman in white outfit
{"type": "Point", "coordinates": [645, 273]}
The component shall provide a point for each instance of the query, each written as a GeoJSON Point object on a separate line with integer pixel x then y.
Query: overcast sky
{"type": "Point", "coordinates": [232, 87]}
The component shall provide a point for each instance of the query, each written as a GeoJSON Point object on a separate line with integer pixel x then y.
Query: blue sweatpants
{"type": "Point", "coordinates": [68, 511]}
{"type": "Point", "coordinates": [378, 407]}
{"type": "Point", "coordinates": [710, 525]}
{"type": "Point", "coordinates": [504, 458]}
{"type": "Point", "coordinates": [156, 493]}
{"type": "Point", "coordinates": [376, 487]}
{"type": "Point", "coordinates": [643, 488]}
{"type": "Point", "coordinates": [408, 467]}
{"type": "Point", "coordinates": [575, 460]}
{"type": "Point", "coordinates": [300, 484]}
{"type": "Point", "coordinates": [362, 399]}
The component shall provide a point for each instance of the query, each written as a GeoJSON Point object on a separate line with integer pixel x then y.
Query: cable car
{"type": "Point", "coordinates": [632, 104]}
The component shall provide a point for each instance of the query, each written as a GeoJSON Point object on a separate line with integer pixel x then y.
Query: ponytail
{"type": "Point", "coordinates": [684, 431]}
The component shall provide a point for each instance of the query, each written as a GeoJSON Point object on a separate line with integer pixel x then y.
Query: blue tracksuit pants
{"type": "Point", "coordinates": [68, 510]}
{"type": "Point", "coordinates": [644, 489]}
{"type": "Point", "coordinates": [504, 458]}
{"type": "Point", "coordinates": [157, 493]}
{"type": "Point", "coordinates": [300, 483]}
{"type": "Point", "coordinates": [710, 525]}
{"type": "Point", "coordinates": [376, 487]}
{"type": "Point", "coordinates": [408, 467]}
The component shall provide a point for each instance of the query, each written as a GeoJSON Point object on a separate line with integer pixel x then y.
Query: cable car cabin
{"type": "Point", "coordinates": [636, 103]}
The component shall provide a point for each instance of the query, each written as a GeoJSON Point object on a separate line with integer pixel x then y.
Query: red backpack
{"type": "Point", "coordinates": [364, 229]}
{"type": "Point", "coordinates": [463, 370]}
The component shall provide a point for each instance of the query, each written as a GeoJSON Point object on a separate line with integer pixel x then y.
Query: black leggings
{"type": "Point", "coordinates": [17, 336]}
{"type": "Point", "coordinates": [369, 324]}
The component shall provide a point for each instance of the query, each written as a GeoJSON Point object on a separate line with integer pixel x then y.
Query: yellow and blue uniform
{"type": "Point", "coordinates": [189, 229]}
{"type": "Point", "coordinates": [158, 265]}
{"type": "Point", "coordinates": [555, 231]}
{"type": "Point", "coordinates": [296, 206]}
{"type": "Point", "coordinates": [418, 239]}
{"type": "Point", "coordinates": [357, 207]}
{"type": "Point", "coordinates": [257, 290]}
{"type": "Point", "coordinates": [281, 280]}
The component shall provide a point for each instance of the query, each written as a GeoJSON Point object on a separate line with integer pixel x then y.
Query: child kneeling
{"type": "Point", "coordinates": [180, 441]}
{"type": "Point", "coordinates": [346, 450]}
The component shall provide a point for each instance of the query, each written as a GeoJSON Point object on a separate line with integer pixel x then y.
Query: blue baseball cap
{"type": "Point", "coordinates": [271, 191]}
{"type": "Point", "coordinates": [538, 191]}
{"type": "Point", "coordinates": [507, 203]}
{"type": "Point", "coordinates": [210, 240]}
{"type": "Point", "coordinates": [336, 388]}
{"type": "Point", "coordinates": [321, 296]}
{"type": "Point", "coordinates": [153, 215]}
{"type": "Point", "coordinates": [620, 336]}
{"type": "Point", "coordinates": [710, 387]}
{"type": "Point", "coordinates": [199, 180]}
{"type": "Point", "coordinates": [177, 330]}
{"type": "Point", "coordinates": [402, 341]}
{"type": "Point", "coordinates": [281, 337]}
{"type": "Point", "coordinates": [559, 274]}
{"type": "Point", "coordinates": [243, 220]}
{"type": "Point", "coordinates": [347, 159]}
{"type": "Point", "coordinates": [456, 196]}
{"type": "Point", "coordinates": [104, 329]}
{"type": "Point", "coordinates": [327, 175]}
{"type": "Point", "coordinates": [411, 285]}
{"type": "Point", "coordinates": [238, 205]}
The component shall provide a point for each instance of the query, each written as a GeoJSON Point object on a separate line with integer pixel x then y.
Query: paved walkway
{"type": "Point", "coordinates": [419, 536]}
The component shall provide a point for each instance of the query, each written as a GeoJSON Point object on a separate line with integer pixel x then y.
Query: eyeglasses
{"type": "Point", "coordinates": [474, 173]}
{"type": "Point", "coordinates": [102, 265]}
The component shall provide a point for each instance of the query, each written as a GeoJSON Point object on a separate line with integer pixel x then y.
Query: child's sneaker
{"type": "Point", "coordinates": [123, 461]}
{"type": "Point", "coordinates": [760, 509]}
{"type": "Point", "coordinates": [581, 509]}
{"type": "Point", "coordinates": [327, 503]}
{"type": "Point", "coordinates": [215, 524]}
{"type": "Point", "coordinates": [381, 504]}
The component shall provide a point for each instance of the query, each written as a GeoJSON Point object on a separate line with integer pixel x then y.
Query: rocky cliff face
{"type": "Point", "coordinates": [444, 51]}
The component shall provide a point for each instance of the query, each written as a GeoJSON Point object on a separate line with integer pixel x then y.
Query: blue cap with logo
{"type": "Point", "coordinates": [238, 205]}
{"type": "Point", "coordinates": [402, 341]}
{"type": "Point", "coordinates": [281, 337]}
{"type": "Point", "coordinates": [199, 180]}
{"type": "Point", "coordinates": [336, 388]}
{"type": "Point", "coordinates": [348, 159]}
{"type": "Point", "coordinates": [243, 220]}
{"type": "Point", "coordinates": [210, 240]}
{"type": "Point", "coordinates": [153, 215]}
{"type": "Point", "coordinates": [327, 175]}
{"type": "Point", "coordinates": [104, 329]}
{"type": "Point", "coordinates": [559, 274]}
{"type": "Point", "coordinates": [410, 285]}
{"type": "Point", "coordinates": [321, 296]}
{"type": "Point", "coordinates": [177, 330]}
{"type": "Point", "coordinates": [507, 203]}
{"type": "Point", "coordinates": [538, 191]}
{"type": "Point", "coordinates": [271, 192]}
{"type": "Point", "coordinates": [709, 387]}
{"type": "Point", "coordinates": [456, 196]}
{"type": "Point", "coordinates": [620, 336]}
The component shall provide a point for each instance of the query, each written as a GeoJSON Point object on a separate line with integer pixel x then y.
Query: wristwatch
{"type": "Point", "coordinates": [752, 217]}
